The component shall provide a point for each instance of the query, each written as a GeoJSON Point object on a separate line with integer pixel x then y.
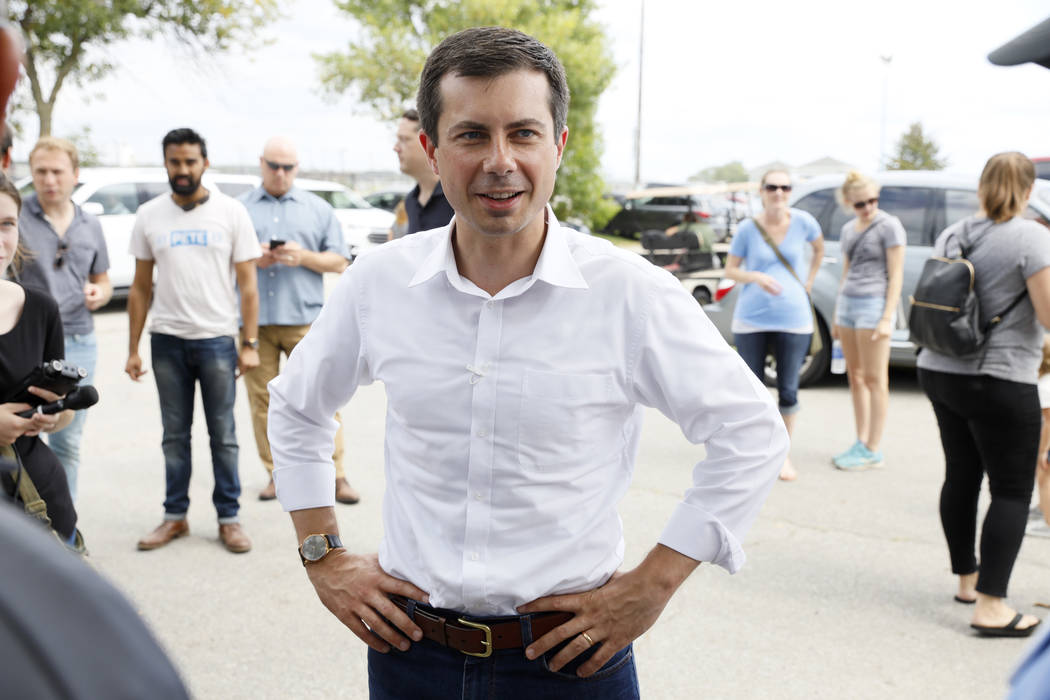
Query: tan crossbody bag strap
{"type": "Point", "coordinates": [816, 343]}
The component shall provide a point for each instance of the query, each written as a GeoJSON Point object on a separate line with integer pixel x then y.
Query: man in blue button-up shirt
{"type": "Point", "coordinates": [301, 240]}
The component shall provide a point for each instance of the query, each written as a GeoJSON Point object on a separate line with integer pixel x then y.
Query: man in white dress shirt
{"type": "Point", "coordinates": [517, 356]}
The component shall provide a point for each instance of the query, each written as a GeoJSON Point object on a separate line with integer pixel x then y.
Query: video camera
{"type": "Point", "coordinates": [57, 376]}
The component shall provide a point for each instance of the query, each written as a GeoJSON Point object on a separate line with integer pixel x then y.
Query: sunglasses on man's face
{"type": "Point", "coordinates": [773, 188]}
{"type": "Point", "coordinates": [865, 202]}
{"type": "Point", "coordinates": [286, 167]}
{"type": "Point", "coordinates": [60, 253]}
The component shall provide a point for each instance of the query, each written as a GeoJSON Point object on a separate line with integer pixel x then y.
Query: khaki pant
{"type": "Point", "coordinates": [273, 340]}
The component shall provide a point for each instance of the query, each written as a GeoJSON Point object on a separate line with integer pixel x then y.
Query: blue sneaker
{"type": "Point", "coordinates": [848, 453]}
{"type": "Point", "coordinates": [860, 460]}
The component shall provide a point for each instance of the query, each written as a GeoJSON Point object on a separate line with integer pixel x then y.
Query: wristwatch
{"type": "Point", "coordinates": [316, 547]}
{"type": "Point", "coordinates": [252, 343]}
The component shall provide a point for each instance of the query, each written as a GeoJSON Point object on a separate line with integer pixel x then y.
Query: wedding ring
{"type": "Point", "coordinates": [590, 642]}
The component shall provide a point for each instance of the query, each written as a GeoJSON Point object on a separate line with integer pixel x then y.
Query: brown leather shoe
{"type": "Point", "coordinates": [345, 493]}
{"type": "Point", "coordinates": [165, 532]}
{"type": "Point", "coordinates": [269, 493]}
{"type": "Point", "coordinates": [234, 538]}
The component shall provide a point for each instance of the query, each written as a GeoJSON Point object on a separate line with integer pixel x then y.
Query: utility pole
{"type": "Point", "coordinates": [638, 120]}
{"type": "Point", "coordinates": [886, 60]}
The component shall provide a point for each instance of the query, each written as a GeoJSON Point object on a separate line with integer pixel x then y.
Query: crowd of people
{"type": "Point", "coordinates": [516, 354]}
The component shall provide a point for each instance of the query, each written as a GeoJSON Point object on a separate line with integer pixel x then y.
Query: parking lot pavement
{"type": "Point", "coordinates": [847, 592]}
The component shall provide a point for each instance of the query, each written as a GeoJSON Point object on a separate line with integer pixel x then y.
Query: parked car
{"type": "Point", "coordinates": [114, 195]}
{"type": "Point", "coordinates": [641, 212]}
{"type": "Point", "coordinates": [385, 200]}
{"type": "Point", "coordinates": [364, 226]}
{"type": "Point", "coordinates": [925, 202]}
{"type": "Point", "coordinates": [1042, 168]}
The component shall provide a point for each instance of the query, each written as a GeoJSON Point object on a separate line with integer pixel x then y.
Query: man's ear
{"type": "Point", "coordinates": [560, 143]}
{"type": "Point", "coordinates": [429, 146]}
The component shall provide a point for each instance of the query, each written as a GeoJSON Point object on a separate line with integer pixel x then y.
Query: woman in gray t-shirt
{"type": "Point", "coordinates": [872, 247]}
{"type": "Point", "coordinates": [987, 404]}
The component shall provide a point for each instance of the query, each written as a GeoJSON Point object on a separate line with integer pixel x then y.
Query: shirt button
{"type": "Point", "coordinates": [473, 556]}
{"type": "Point", "coordinates": [477, 495]}
{"type": "Point", "coordinates": [272, 274]}
{"type": "Point", "coordinates": [482, 433]}
{"type": "Point", "coordinates": [490, 304]}
{"type": "Point", "coordinates": [270, 293]}
{"type": "Point", "coordinates": [275, 219]}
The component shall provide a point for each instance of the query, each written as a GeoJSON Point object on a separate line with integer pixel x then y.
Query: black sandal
{"type": "Point", "coordinates": [1010, 629]}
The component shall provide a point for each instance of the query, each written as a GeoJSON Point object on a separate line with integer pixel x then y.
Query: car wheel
{"type": "Point", "coordinates": [814, 367]}
{"type": "Point", "coordinates": [702, 294]}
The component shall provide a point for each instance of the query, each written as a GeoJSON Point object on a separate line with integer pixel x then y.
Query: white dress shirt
{"type": "Point", "coordinates": [513, 420]}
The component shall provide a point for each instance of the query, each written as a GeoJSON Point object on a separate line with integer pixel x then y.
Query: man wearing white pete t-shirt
{"type": "Point", "coordinates": [204, 248]}
{"type": "Point", "coordinates": [517, 356]}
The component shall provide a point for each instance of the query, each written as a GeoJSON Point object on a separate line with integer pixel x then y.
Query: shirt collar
{"type": "Point", "coordinates": [32, 203]}
{"type": "Point", "coordinates": [260, 193]}
{"type": "Point", "coordinates": [555, 266]}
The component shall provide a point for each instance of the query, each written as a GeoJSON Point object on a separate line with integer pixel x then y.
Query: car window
{"type": "Point", "coordinates": [116, 199]}
{"type": "Point", "coordinates": [815, 203]}
{"type": "Point", "coordinates": [149, 190]}
{"type": "Point", "coordinates": [1042, 169]}
{"type": "Point", "coordinates": [234, 189]}
{"type": "Point", "coordinates": [958, 204]}
{"type": "Point", "coordinates": [909, 204]}
{"type": "Point", "coordinates": [341, 199]}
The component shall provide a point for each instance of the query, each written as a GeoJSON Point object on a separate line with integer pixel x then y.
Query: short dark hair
{"type": "Point", "coordinates": [489, 52]}
{"type": "Point", "coordinates": [181, 136]}
{"type": "Point", "coordinates": [7, 140]}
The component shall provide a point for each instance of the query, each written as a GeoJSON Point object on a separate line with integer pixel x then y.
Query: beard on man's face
{"type": "Point", "coordinates": [183, 184]}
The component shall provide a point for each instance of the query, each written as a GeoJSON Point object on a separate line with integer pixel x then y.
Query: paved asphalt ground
{"type": "Point", "coordinates": [847, 592]}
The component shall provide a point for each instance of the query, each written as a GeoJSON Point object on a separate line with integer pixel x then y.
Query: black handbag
{"type": "Point", "coordinates": [945, 312]}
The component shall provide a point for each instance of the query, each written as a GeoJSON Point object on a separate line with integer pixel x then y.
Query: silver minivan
{"type": "Point", "coordinates": [925, 202]}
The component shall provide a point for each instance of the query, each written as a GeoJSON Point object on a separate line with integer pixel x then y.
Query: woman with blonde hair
{"type": "Point", "coordinates": [773, 313]}
{"type": "Point", "coordinates": [872, 247]}
{"type": "Point", "coordinates": [986, 403]}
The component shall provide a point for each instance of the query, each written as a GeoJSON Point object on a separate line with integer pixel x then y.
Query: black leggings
{"type": "Point", "coordinates": [987, 425]}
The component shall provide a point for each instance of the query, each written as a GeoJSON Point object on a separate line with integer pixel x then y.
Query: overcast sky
{"type": "Point", "coordinates": [750, 81]}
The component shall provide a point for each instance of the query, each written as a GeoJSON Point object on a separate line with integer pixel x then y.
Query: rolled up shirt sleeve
{"type": "Point", "coordinates": [687, 371]}
{"type": "Point", "coordinates": [322, 373]}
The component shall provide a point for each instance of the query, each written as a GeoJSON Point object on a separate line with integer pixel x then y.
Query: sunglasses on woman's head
{"type": "Point", "coordinates": [865, 202]}
{"type": "Point", "coordinates": [773, 188]}
{"type": "Point", "coordinates": [60, 253]}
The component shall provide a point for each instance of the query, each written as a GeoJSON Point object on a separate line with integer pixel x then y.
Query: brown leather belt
{"type": "Point", "coordinates": [477, 636]}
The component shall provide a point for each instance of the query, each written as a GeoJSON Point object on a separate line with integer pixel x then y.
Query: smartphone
{"type": "Point", "coordinates": [276, 243]}
{"type": "Point", "coordinates": [57, 376]}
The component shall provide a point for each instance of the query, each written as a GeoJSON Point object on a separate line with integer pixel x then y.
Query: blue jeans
{"type": "Point", "coordinates": [82, 351]}
{"type": "Point", "coordinates": [430, 671]}
{"type": "Point", "coordinates": [789, 350]}
{"type": "Point", "coordinates": [177, 365]}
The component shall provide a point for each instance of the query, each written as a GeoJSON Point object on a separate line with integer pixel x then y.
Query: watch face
{"type": "Point", "coordinates": [314, 547]}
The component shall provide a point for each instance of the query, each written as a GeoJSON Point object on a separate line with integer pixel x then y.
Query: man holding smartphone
{"type": "Point", "coordinates": [301, 240]}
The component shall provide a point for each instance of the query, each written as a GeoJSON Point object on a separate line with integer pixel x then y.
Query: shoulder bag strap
{"type": "Point", "coordinates": [965, 248]}
{"type": "Point", "coordinates": [780, 256]}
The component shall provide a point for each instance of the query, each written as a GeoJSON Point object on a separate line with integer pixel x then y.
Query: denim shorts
{"type": "Point", "coordinates": [859, 312]}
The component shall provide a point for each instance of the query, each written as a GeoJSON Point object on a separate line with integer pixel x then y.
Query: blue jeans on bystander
{"type": "Point", "coordinates": [178, 364]}
{"type": "Point", "coordinates": [82, 351]}
{"type": "Point", "coordinates": [789, 350]}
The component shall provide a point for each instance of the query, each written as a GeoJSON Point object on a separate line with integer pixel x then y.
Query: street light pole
{"type": "Point", "coordinates": [886, 60]}
{"type": "Point", "coordinates": [638, 120]}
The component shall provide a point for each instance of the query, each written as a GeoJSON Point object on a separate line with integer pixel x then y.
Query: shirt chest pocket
{"type": "Point", "coordinates": [568, 419]}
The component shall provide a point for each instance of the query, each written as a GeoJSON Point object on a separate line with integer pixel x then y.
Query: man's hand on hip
{"type": "Point", "coordinates": [355, 589]}
{"type": "Point", "coordinates": [613, 615]}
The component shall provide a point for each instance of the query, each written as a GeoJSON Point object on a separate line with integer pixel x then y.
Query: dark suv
{"type": "Point", "coordinates": [640, 214]}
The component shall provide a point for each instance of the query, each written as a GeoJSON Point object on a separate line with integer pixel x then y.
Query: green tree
{"type": "Point", "coordinates": [916, 151]}
{"type": "Point", "coordinates": [65, 38]}
{"type": "Point", "coordinates": [382, 66]}
{"type": "Point", "coordinates": [733, 171]}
